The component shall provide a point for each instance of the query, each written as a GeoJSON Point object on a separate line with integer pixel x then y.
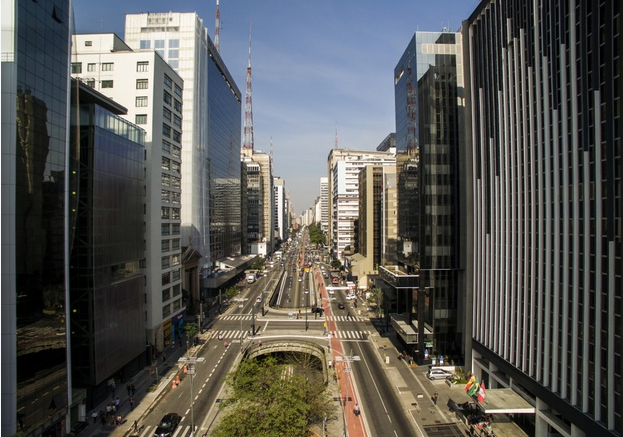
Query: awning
{"type": "Point", "coordinates": [505, 400]}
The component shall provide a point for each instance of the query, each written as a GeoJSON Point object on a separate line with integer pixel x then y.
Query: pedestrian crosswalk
{"type": "Point", "coordinates": [148, 431]}
{"type": "Point", "coordinates": [234, 334]}
{"type": "Point", "coordinates": [352, 335]}
{"type": "Point", "coordinates": [245, 317]}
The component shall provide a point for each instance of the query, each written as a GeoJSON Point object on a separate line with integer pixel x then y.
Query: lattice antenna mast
{"type": "Point", "coordinates": [247, 143]}
{"type": "Point", "coordinates": [217, 28]}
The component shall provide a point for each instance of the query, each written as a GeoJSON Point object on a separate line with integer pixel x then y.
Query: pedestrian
{"type": "Point", "coordinates": [94, 416]}
{"type": "Point", "coordinates": [127, 387]}
{"type": "Point", "coordinates": [435, 397]}
{"type": "Point", "coordinates": [164, 356]}
{"type": "Point", "coordinates": [108, 409]}
{"type": "Point", "coordinates": [117, 402]}
{"type": "Point", "coordinates": [330, 364]}
{"type": "Point", "coordinates": [135, 426]}
{"type": "Point", "coordinates": [226, 345]}
{"type": "Point", "coordinates": [259, 342]}
{"type": "Point", "coordinates": [102, 417]}
{"type": "Point", "coordinates": [131, 400]}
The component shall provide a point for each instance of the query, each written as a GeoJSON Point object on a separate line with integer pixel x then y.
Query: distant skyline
{"type": "Point", "coordinates": [317, 65]}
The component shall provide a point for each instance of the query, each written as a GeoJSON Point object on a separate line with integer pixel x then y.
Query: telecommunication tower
{"type": "Point", "coordinates": [247, 142]}
{"type": "Point", "coordinates": [217, 28]}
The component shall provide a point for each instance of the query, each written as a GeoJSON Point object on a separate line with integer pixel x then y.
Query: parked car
{"type": "Point", "coordinates": [437, 374]}
{"type": "Point", "coordinates": [351, 297]}
{"type": "Point", "coordinates": [167, 425]}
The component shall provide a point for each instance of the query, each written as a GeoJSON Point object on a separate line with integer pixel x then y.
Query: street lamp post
{"type": "Point", "coordinates": [190, 370]}
{"type": "Point", "coordinates": [306, 305]}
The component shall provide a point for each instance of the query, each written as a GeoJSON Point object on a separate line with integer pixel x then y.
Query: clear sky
{"type": "Point", "coordinates": [317, 65]}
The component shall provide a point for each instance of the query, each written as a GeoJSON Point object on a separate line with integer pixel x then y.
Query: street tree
{"type": "Point", "coordinates": [376, 300]}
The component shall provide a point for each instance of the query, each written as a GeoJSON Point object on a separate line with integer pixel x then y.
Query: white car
{"type": "Point", "coordinates": [437, 374]}
{"type": "Point", "coordinates": [351, 297]}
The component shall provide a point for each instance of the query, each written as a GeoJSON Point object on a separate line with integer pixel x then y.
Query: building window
{"type": "Point", "coordinates": [177, 105]}
{"type": "Point", "coordinates": [175, 213]}
{"type": "Point", "coordinates": [175, 261]}
{"type": "Point", "coordinates": [166, 130]}
{"type": "Point", "coordinates": [166, 294]}
{"type": "Point", "coordinates": [176, 228]}
{"type": "Point", "coordinates": [166, 180]}
{"type": "Point", "coordinates": [141, 119]}
{"type": "Point", "coordinates": [165, 246]}
{"type": "Point", "coordinates": [164, 263]}
{"type": "Point", "coordinates": [167, 81]}
{"type": "Point", "coordinates": [176, 182]}
{"type": "Point", "coordinates": [164, 196]}
{"type": "Point", "coordinates": [167, 98]}
{"type": "Point", "coordinates": [142, 84]}
{"type": "Point", "coordinates": [174, 53]}
{"type": "Point", "coordinates": [145, 44]}
{"type": "Point", "coordinates": [159, 44]}
{"type": "Point", "coordinates": [174, 43]}
{"type": "Point", "coordinates": [142, 66]}
{"type": "Point", "coordinates": [166, 164]}
{"type": "Point", "coordinates": [164, 229]}
{"type": "Point", "coordinates": [88, 43]}
{"type": "Point", "coordinates": [177, 152]}
{"type": "Point", "coordinates": [166, 278]}
{"type": "Point", "coordinates": [76, 67]}
{"type": "Point", "coordinates": [175, 244]}
{"type": "Point", "coordinates": [91, 66]}
{"type": "Point", "coordinates": [177, 137]}
{"type": "Point", "coordinates": [166, 113]}
{"type": "Point", "coordinates": [177, 305]}
{"type": "Point", "coordinates": [166, 311]}
{"type": "Point", "coordinates": [107, 66]}
{"type": "Point", "coordinates": [166, 146]}
{"type": "Point", "coordinates": [176, 274]}
{"type": "Point", "coordinates": [177, 289]}
{"type": "Point", "coordinates": [175, 197]}
{"type": "Point", "coordinates": [176, 167]}
{"type": "Point", "coordinates": [141, 101]}
{"type": "Point", "coordinates": [165, 213]}
{"type": "Point", "coordinates": [91, 83]}
{"type": "Point", "coordinates": [107, 84]}
{"type": "Point", "coordinates": [178, 91]}
{"type": "Point", "coordinates": [177, 121]}
{"type": "Point", "coordinates": [174, 63]}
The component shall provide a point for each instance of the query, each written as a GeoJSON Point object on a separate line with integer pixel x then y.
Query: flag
{"type": "Point", "coordinates": [481, 392]}
{"type": "Point", "coordinates": [474, 388]}
{"type": "Point", "coordinates": [470, 382]}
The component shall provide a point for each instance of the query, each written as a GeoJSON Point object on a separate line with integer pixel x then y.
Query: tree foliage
{"type": "Point", "coordinates": [231, 292]}
{"type": "Point", "coordinates": [316, 236]}
{"type": "Point", "coordinates": [376, 299]}
{"type": "Point", "coordinates": [273, 398]}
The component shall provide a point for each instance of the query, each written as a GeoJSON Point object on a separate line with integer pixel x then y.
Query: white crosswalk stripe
{"type": "Point", "coordinates": [346, 319]}
{"type": "Point", "coordinates": [352, 335]}
{"type": "Point", "coordinates": [180, 431]}
{"type": "Point", "coordinates": [231, 334]}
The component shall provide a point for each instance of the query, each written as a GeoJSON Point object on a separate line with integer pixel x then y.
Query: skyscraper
{"type": "Point", "coordinates": [35, 210]}
{"type": "Point", "coordinates": [544, 90]}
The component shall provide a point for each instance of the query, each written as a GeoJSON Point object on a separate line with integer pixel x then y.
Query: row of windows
{"type": "Point", "coordinates": [168, 164]}
{"type": "Point", "coordinates": [171, 149]}
{"type": "Point", "coordinates": [172, 276]}
{"type": "Point", "coordinates": [166, 310]}
{"type": "Point", "coordinates": [173, 291]}
{"type": "Point", "coordinates": [170, 196]}
{"type": "Point", "coordinates": [170, 229]}
{"type": "Point", "coordinates": [167, 213]}
{"type": "Point", "coordinates": [171, 181]}
{"type": "Point", "coordinates": [171, 260]}
{"type": "Point", "coordinates": [167, 245]}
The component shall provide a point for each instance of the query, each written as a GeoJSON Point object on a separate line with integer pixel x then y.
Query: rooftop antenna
{"type": "Point", "coordinates": [217, 28]}
{"type": "Point", "coordinates": [271, 149]}
{"type": "Point", "coordinates": [335, 146]}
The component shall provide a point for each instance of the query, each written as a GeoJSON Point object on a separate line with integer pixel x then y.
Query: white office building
{"type": "Point", "coordinates": [152, 93]}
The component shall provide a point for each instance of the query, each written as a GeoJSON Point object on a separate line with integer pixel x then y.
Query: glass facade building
{"type": "Point", "coordinates": [107, 298]}
{"type": "Point", "coordinates": [544, 93]}
{"type": "Point", "coordinates": [428, 91]}
{"type": "Point", "coordinates": [224, 126]}
{"type": "Point", "coordinates": [35, 105]}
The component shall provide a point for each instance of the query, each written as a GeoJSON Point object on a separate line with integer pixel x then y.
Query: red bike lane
{"type": "Point", "coordinates": [342, 368]}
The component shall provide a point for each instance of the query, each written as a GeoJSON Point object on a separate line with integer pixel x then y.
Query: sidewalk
{"type": "Point", "coordinates": [145, 396]}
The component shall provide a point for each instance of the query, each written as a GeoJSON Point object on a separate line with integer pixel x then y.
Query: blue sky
{"type": "Point", "coordinates": [317, 64]}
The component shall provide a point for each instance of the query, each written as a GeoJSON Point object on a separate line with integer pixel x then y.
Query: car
{"type": "Point", "coordinates": [167, 425]}
{"type": "Point", "coordinates": [437, 374]}
{"type": "Point", "coordinates": [340, 305]}
{"type": "Point", "coordinates": [318, 310]}
{"type": "Point", "coordinates": [351, 297]}
{"type": "Point", "coordinates": [258, 299]}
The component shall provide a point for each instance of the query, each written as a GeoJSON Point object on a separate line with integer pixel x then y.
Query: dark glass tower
{"type": "Point", "coordinates": [35, 104]}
